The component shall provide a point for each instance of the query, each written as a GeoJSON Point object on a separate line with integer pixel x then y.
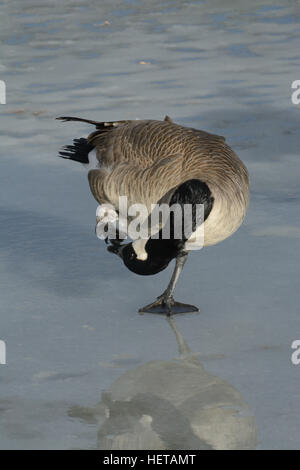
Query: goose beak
{"type": "Point", "coordinates": [116, 249]}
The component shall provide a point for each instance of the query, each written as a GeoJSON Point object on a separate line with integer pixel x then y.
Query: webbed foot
{"type": "Point", "coordinates": [168, 306]}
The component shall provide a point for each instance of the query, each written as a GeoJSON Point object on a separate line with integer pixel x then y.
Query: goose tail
{"type": "Point", "coordinates": [78, 152]}
{"type": "Point", "coordinates": [98, 124]}
{"type": "Point", "coordinates": [71, 118]}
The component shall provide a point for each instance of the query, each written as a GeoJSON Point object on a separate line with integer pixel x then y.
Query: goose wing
{"type": "Point", "coordinates": [140, 185]}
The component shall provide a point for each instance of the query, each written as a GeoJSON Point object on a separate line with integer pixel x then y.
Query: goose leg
{"type": "Point", "coordinates": [165, 303]}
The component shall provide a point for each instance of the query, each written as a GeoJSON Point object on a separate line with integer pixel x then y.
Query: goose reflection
{"type": "Point", "coordinates": [171, 405]}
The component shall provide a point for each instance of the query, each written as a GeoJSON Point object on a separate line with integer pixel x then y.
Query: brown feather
{"type": "Point", "coordinates": [144, 160]}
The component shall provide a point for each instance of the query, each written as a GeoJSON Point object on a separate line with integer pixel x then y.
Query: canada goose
{"type": "Point", "coordinates": [150, 162]}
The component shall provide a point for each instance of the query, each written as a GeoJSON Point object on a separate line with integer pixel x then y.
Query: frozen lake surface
{"type": "Point", "coordinates": [79, 357]}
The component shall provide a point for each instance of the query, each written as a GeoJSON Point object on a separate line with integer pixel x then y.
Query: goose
{"type": "Point", "coordinates": [160, 162]}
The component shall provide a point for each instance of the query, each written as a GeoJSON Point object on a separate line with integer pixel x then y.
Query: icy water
{"type": "Point", "coordinates": [84, 370]}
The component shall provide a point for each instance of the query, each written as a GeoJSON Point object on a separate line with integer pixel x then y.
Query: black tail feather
{"type": "Point", "coordinates": [81, 147]}
{"type": "Point", "coordinates": [79, 151]}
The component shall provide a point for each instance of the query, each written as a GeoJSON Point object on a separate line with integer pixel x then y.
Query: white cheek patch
{"type": "Point", "coordinates": [139, 248]}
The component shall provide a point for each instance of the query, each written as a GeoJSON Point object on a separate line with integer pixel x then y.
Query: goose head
{"type": "Point", "coordinates": [147, 257]}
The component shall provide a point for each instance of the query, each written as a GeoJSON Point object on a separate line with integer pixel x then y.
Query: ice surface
{"type": "Point", "coordinates": [68, 307]}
